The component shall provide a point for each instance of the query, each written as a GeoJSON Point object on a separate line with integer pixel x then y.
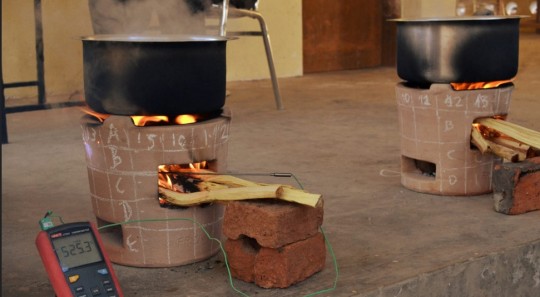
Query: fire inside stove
{"type": "Point", "coordinates": [480, 85]}
{"type": "Point", "coordinates": [157, 120]}
{"type": "Point", "coordinates": [131, 160]}
{"type": "Point", "coordinates": [175, 177]}
{"type": "Point", "coordinates": [179, 178]}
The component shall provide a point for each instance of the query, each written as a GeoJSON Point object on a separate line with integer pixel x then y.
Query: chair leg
{"type": "Point", "coordinates": [3, 121]}
{"type": "Point", "coordinates": [223, 18]}
{"type": "Point", "coordinates": [268, 48]}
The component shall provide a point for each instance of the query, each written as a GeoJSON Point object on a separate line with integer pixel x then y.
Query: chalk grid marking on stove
{"type": "Point", "coordinates": [435, 126]}
{"type": "Point", "coordinates": [123, 165]}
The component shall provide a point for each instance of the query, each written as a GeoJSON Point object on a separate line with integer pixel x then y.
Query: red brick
{"type": "Point", "coordinates": [516, 187]}
{"type": "Point", "coordinates": [241, 255]}
{"type": "Point", "coordinates": [279, 267]}
{"type": "Point", "coordinates": [271, 223]}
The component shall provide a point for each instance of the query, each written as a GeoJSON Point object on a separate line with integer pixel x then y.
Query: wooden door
{"type": "Point", "coordinates": [341, 35]}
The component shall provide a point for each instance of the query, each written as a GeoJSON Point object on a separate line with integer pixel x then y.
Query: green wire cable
{"type": "Point", "coordinates": [50, 214]}
{"type": "Point", "coordinates": [330, 250]}
{"type": "Point", "coordinates": [336, 268]}
{"type": "Point", "coordinates": [231, 283]}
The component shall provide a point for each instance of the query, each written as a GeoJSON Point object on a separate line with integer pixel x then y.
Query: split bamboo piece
{"type": "Point", "coordinates": [504, 139]}
{"type": "Point", "coordinates": [217, 187]}
{"type": "Point", "coordinates": [486, 146]}
{"type": "Point", "coordinates": [521, 134]}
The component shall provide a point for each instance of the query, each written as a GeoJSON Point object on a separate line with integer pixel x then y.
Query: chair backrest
{"type": "Point", "coordinates": [245, 4]}
{"type": "Point", "coordinates": [241, 4]}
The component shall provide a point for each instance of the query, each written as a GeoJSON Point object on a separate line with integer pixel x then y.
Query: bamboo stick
{"type": "Point", "coordinates": [507, 140]}
{"type": "Point", "coordinates": [487, 146]}
{"type": "Point", "coordinates": [478, 140]}
{"type": "Point", "coordinates": [521, 134]}
{"type": "Point", "coordinates": [229, 194]}
{"type": "Point", "coordinates": [210, 176]}
{"type": "Point", "coordinates": [241, 193]}
{"type": "Point", "coordinates": [218, 187]}
{"type": "Point", "coordinates": [504, 152]}
{"type": "Point", "coordinates": [298, 196]}
{"type": "Point", "coordinates": [523, 150]}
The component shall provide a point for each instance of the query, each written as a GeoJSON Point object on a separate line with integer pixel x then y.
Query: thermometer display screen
{"type": "Point", "coordinates": [76, 250]}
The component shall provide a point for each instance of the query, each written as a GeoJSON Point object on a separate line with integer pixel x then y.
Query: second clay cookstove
{"type": "Point", "coordinates": [456, 70]}
{"type": "Point", "coordinates": [435, 124]}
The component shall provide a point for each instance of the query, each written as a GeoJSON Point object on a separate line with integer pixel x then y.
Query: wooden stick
{"type": "Point", "coordinates": [298, 196]}
{"type": "Point", "coordinates": [485, 145]}
{"type": "Point", "coordinates": [241, 193]}
{"type": "Point", "coordinates": [504, 152]}
{"type": "Point", "coordinates": [478, 140]}
{"type": "Point", "coordinates": [229, 194]}
{"type": "Point", "coordinates": [218, 187]}
{"type": "Point", "coordinates": [521, 134]}
{"type": "Point", "coordinates": [523, 150]}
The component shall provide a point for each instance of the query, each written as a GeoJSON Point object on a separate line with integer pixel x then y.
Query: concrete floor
{"type": "Point", "coordinates": [339, 135]}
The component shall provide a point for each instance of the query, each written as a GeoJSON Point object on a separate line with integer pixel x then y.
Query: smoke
{"type": "Point", "coordinates": [148, 16]}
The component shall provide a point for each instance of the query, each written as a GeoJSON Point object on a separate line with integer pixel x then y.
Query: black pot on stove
{"type": "Point", "coordinates": [151, 75]}
{"type": "Point", "coordinates": [457, 49]}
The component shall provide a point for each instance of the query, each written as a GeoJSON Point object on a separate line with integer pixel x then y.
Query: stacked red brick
{"type": "Point", "coordinates": [516, 186]}
{"type": "Point", "coordinates": [273, 244]}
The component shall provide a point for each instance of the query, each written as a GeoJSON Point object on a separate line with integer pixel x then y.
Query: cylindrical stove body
{"type": "Point", "coordinates": [435, 128]}
{"type": "Point", "coordinates": [122, 162]}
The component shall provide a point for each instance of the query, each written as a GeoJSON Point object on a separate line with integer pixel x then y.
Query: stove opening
{"type": "Point", "coordinates": [112, 234]}
{"type": "Point", "coordinates": [420, 167]}
{"type": "Point", "coordinates": [181, 178]}
{"type": "Point", "coordinates": [486, 132]}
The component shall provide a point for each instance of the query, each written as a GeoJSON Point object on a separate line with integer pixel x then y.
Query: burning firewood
{"type": "Point", "coordinates": [504, 139]}
{"type": "Point", "coordinates": [217, 187]}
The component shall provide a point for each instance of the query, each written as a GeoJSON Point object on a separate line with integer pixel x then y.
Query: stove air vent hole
{"type": "Point", "coordinates": [112, 235]}
{"type": "Point", "coordinates": [420, 167]}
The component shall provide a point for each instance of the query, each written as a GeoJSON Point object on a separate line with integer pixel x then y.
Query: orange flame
{"type": "Point", "coordinates": [141, 121]}
{"type": "Point", "coordinates": [185, 119]}
{"type": "Point", "coordinates": [168, 177]}
{"type": "Point", "coordinates": [166, 171]}
{"type": "Point", "coordinates": [164, 180]}
{"type": "Point", "coordinates": [197, 166]}
{"type": "Point", "coordinates": [479, 85]}
{"type": "Point", "coordinates": [99, 116]}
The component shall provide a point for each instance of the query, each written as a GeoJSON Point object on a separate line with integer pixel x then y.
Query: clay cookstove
{"type": "Point", "coordinates": [123, 161]}
{"type": "Point", "coordinates": [456, 70]}
{"type": "Point", "coordinates": [435, 125]}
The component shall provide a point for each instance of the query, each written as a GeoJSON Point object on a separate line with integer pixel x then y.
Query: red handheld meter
{"type": "Point", "coordinates": [75, 261]}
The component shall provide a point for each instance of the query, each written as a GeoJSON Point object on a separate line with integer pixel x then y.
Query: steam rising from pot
{"type": "Point", "coordinates": [148, 16]}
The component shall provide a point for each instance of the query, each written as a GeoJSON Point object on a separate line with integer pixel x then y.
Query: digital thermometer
{"type": "Point", "coordinates": [76, 262]}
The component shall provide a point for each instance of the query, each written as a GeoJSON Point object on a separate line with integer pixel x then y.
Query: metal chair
{"type": "Point", "coordinates": [228, 11]}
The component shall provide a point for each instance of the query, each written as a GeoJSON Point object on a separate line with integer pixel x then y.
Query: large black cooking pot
{"type": "Point", "coordinates": [154, 75]}
{"type": "Point", "coordinates": [457, 49]}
